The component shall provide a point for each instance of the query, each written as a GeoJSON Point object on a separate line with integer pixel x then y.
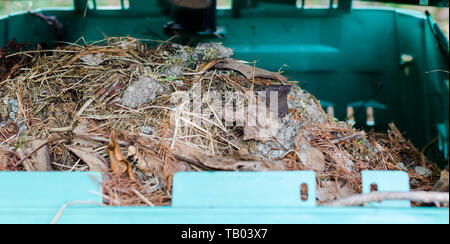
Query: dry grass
{"type": "Point", "coordinates": [65, 101]}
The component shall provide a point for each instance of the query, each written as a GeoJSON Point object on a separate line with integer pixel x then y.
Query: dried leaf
{"type": "Point", "coordinates": [181, 166]}
{"type": "Point", "coordinates": [231, 164]}
{"type": "Point", "coordinates": [260, 123]}
{"type": "Point", "coordinates": [443, 184]}
{"type": "Point", "coordinates": [90, 158]}
{"type": "Point", "coordinates": [346, 190]}
{"type": "Point", "coordinates": [244, 154]}
{"type": "Point", "coordinates": [327, 192]}
{"type": "Point", "coordinates": [206, 162]}
{"type": "Point", "coordinates": [7, 158]}
{"type": "Point", "coordinates": [82, 130]}
{"type": "Point", "coordinates": [208, 65]}
{"type": "Point", "coordinates": [266, 127]}
{"type": "Point", "coordinates": [283, 92]}
{"type": "Point", "coordinates": [40, 160]}
{"type": "Point", "coordinates": [249, 71]}
{"type": "Point", "coordinates": [312, 158]}
{"type": "Point", "coordinates": [3, 162]}
{"type": "Point", "coordinates": [92, 59]}
{"type": "Point", "coordinates": [330, 190]}
{"type": "Point", "coordinates": [146, 162]}
{"type": "Point", "coordinates": [118, 162]}
{"type": "Point", "coordinates": [131, 173]}
{"type": "Point", "coordinates": [7, 130]}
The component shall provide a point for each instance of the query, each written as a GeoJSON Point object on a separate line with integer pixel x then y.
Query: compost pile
{"type": "Point", "coordinates": [119, 108]}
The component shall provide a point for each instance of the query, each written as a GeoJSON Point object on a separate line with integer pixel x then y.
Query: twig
{"type": "Point", "coordinates": [40, 51]}
{"type": "Point", "coordinates": [429, 144]}
{"type": "Point", "coordinates": [143, 198]}
{"type": "Point", "coordinates": [39, 147]}
{"type": "Point", "coordinates": [357, 200]}
{"type": "Point", "coordinates": [75, 119]}
{"type": "Point", "coordinates": [7, 140]}
{"type": "Point", "coordinates": [61, 210]}
{"type": "Point", "coordinates": [65, 139]}
{"type": "Point", "coordinates": [193, 162]}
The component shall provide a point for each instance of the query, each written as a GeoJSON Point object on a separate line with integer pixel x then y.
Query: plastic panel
{"type": "Point", "coordinates": [37, 197]}
{"type": "Point", "coordinates": [387, 181]}
{"type": "Point", "coordinates": [243, 189]}
{"type": "Point", "coordinates": [48, 189]}
{"type": "Point", "coordinates": [167, 215]}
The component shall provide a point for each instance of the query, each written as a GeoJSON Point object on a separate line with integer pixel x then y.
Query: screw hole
{"type": "Point", "coordinates": [373, 187]}
{"type": "Point", "coordinates": [304, 192]}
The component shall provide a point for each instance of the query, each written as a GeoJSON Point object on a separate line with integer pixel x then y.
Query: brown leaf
{"type": "Point", "coordinates": [82, 129]}
{"type": "Point", "coordinates": [231, 164]}
{"type": "Point", "coordinates": [260, 123]}
{"type": "Point", "coordinates": [249, 71]}
{"type": "Point", "coordinates": [3, 162]}
{"type": "Point", "coordinates": [330, 190]}
{"type": "Point", "coordinates": [208, 65]}
{"type": "Point", "coordinates": [244, 154]}
{"type": "Point", "coordinates": [118, 162]}
{"type": "Point", "coordinates": [131, 173]}
{"type": "Point", "coordinates": [90, 158]}
{"type": "Point", "coordinates": [146, 162]}
{"type": "Point", "coordinates": [266, 127]}
{"type": "Point", "coordinates": [346, 191]}
{"type": "Point", "coordinates": [443, 184]}
{"type": "Point", "coordinates": [201, 161]}
{"type": "Point", "coordinates": [40, 160]}
{"type": "Point", "coordinates": [327, 192]}
{"type": "Point", "coordinates": [312, 158]}
{"type": "Point", "coordinates": [7, 159]}
{"type": "Point", "coordinates": [7, 130]}
{"type": "Point", "coordinates": [283, 92]}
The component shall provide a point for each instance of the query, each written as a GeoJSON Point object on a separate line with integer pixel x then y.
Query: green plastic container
{"type": "Point", "coordinates": [385, 58]}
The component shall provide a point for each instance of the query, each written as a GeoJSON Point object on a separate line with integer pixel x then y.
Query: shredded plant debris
{"type": "Point", "coordinates": [121, 108]}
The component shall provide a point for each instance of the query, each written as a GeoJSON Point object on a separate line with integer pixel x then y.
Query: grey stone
{"type": "Point", "coordinates": [147, 130]}
{"type": "Point", "coordinates": [422, 171]}
{"type": "Point", "coordinates": [140, 92]}
{"type": "Point", "coordinates": [402, 166]}
{"type": "Point", "coordinates": [175, 70]}
{"type": "Point", "coordinates": [210, 51]}
{"type": "Point", "coordinates": [179, 83]}
{"type": "Point", "coordinates": [350, 165]}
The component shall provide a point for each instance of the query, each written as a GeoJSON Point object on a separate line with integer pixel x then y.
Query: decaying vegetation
{"type": "Point", "coordinates": [109, 107]}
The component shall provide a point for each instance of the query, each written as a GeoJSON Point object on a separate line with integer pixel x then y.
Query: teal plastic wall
{"type": "Point", "coordinates": [203, 198]}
